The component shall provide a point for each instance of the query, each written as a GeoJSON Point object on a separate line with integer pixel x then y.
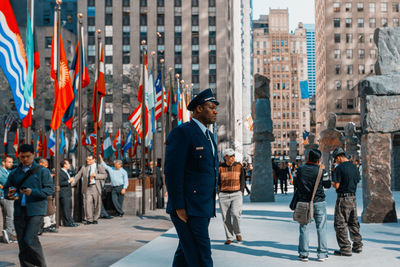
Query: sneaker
{"type": "Point", "coordinates": [239, 238]}
{"type": "Point", "coordinates": [322, 259]}
{"type": "Point", "coordinates": [6, 239]}
{"type": "Point", "coordinates": [228, 242]}
{"type": "Point", "coordinates": [303, 258]}
{"type": "Point", "coordinates": [342, 253]}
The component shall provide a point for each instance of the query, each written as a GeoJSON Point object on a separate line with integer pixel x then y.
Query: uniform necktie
{"type": "Point", "coordinates": [208, 133]}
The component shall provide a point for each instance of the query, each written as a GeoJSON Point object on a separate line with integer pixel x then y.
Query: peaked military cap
{"type": "Point", "coordinates": [201, 98]}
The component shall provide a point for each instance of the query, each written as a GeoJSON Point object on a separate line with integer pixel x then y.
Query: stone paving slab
{"type": "Point", "coordinates": [95, 245]}
{"type": "Point", "coordinates": [271, 239]}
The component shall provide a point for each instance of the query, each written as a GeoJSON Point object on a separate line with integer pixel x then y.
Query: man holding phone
{"type": "Point", "coordinates": [29, 185]}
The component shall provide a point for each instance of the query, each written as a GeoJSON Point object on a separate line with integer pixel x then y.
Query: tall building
{"type": "Point", "coordinates": [310, 33]}
{"type": "Point", "coordinates": [346, 53]}
{"type": "Point", "coordinates": [282, 57]}
{"type": "Point", "coordinates": [200, 40]}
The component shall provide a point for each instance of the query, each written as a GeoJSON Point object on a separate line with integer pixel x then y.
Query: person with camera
{"type": "Point", "coordinates": [29, 185]}
{"type": "Point", "coordinates": [304, 184]}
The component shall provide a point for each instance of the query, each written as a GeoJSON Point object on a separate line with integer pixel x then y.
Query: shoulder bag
{"type": "Point", "coordinates": [304, 211]}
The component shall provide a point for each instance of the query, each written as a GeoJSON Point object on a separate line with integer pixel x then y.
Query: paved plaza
{"type": "Point", "coordinates": [271, 238]}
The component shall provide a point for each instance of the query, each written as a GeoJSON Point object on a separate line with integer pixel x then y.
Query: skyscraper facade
{"type": "Point", "coordinates": [310, 33]}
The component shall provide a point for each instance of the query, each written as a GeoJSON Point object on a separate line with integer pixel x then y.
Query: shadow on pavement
{"type": "Point", "coordinates": [6, 264]}
{"type": "Point", "coordinates": [149, 229]}
{"type": "Point", "coordinates": [389, 242]}
{"type": "Point", "coordinates": [158, 217]}
{"type": "Point", "coordinates": [170, 235]}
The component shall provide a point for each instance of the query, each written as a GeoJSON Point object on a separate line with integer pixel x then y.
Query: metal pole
{"type": "Point", "coordinates": [80, 128]}
{"type": "Point", "coordinates": [57, 134]}
{"type": "Point", "coordinates": [153, 54]}
{"type": "Point", "coordinates": [143, 122]}
{"type": "Point", "coordinates": [97, 124]}
{"type": "Point", "coordinates": [28, 129]}
{"type": "Point", "coordinates": [168, 119]}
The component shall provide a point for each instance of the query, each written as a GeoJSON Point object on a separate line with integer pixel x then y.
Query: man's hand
{"type": "Point", "coordinates": [1, 186]}
{"type": "Point", "coordinates": [322, 166]}
{"type": "Point", "coordinates": [11, 192]}
{"type": "Point", "coordinates": [26, 191]}
{"type": "Point", "coordinates": [182, 214]}
{"type": "Point", "coordinates": [71, 180]}
{"type": "Point", "coordinates": [92, 176]}
{"type": "Point", "coordinates": [123, 191]}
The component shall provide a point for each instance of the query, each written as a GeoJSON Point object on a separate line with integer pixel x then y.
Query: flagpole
{"type": "Point", "coordinates": [173, 95]}
{"type": "Point", "coordinates": [27, 131]}
{"type": "Point", "coordinates": [162, 61]}
{"type": "Point", "coordinates": [97, 124]}
{"type": "Point", "coordinates": [80, 58]}
{"type": "Point", "coordinates": [57, 133]}
{"type": "Point", "coordinates": [153, 54]}
{"type": "Point", "coordinates": [168, 119]}
{"type": "Point", "coordinates": [143, 122]}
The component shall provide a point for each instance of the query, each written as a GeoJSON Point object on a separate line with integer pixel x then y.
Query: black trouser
{"type": "Point", "coordinates": [160, 198]}
{"type": "Point", "coordinates": [276, 185]}
{"type": "Point", "coordinates": [346, 221]}
{"type": "Point", "coordinates": [283, 182]}
{"type": "Point", "coordinates": [30, 249]}
{"type": "Point", "coordinates": [117, 198]}
{"type": "Point", "coordinates": [66, 207]}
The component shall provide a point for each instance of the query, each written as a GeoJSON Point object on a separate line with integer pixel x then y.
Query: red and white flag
{"type": "Point", "coordinates": [16, 143]}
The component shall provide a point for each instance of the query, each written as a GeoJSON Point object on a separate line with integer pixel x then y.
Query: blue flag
{"type": "Point", "coordinates": [62, 143]}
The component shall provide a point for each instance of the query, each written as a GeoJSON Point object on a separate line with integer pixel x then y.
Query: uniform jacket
{"type": "Point", "coordinates": [41, 184]}
{"type": "Point", "coordinates": [101, 175]}
{"type": "Point", "coordinates": [191, 171]}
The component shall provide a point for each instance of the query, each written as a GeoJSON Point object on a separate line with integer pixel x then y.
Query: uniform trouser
{"type": "Point", "coordinates": [320, 222]}
{"type": "Point", "coordinates": [92, 204]}
{"type": "Point", "coordinates": [231, 209]}
{"type": "Point", "coordinates": [7, 207]}
{"type": "Point", "coordinates": [30, 249]}
{"type": "Point", "coordinates": [346, 221]}
{"type": "Point", "coordinates": [117, 198]}
{"type": "Point", "coordinates": [194, 249]}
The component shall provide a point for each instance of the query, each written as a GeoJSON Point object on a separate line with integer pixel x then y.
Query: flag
{"type": "Point", "coordinates": [128, 143]}
{"type": "Point", "coordinates": [107, 146]}
{"type": "Point", "coordinates": [62, 142]}
{"type": "Point", "coordinates": [305, 137]}
{"type": "Point", "coordinates": [136, 145]}
{"type": "Point", "coordinates": [84, 140]}
{"type": "Point", "coordinates": [74, 73]}
{"type": "Point", "coordinates": [38, 144]}
{"type": "Point", "coordinates": [135, 119]}
{"type": "Point", "coordinates": [99, 88]}
{"type": "Point", "coordinates": [74, 142]}
{"type": "Point", "coordinates": [44, 147]}
{"type": "Point", "coordinates": [117, 141]}
{"type": "Point", "coordinates": [143, 79]}
{"type": "Point", "coordinates": [160, 97]}
{"type": "Point", "coordinates": [63, 92]}
{"type": "Point", "coordinates": [52, 143]}
{"type": "Point", "coordinates": [91, 140]}
{"type": "Point", "coordinates": [16, 143]}
{"type": "Point", "coordinates": [8, 123]}
{"type": "Point", "coordinates": [150, 92]}
{"type": "Point", "coordinates": [13, 57]}
{"type": "Point", "coordinates": [168, 98]}
{"type": "Point", "coordinates": [179, 104]}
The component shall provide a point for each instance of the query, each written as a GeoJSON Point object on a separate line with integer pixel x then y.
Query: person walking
{"type": "Point", "coordinates": [231, 184]}
{"type": "Point", "coordinates": [7, 205]}
{"type": "Point", "coordinates": [304, 184]}
{"type": "Point", "coordinates": [119, 183]}
{"type": "Point", "coordinates": [191, 172]}
{"type": "Point", "coordinates": [29, 185]}
{"type": "Point", "coordinates": [159, 185]}
{"type": "Point", "coordinates": [49, 221]}
{"type": "Point", "coordinates": [345, 178]}
{"type": "Point", "coordinates": [93, 176]}
{"type": "Point", "coordinates": [275, 170]}
{"type": "Point", "coordinates": [66, 194]}
{"type": "Point", "coordinates": [283, 176]}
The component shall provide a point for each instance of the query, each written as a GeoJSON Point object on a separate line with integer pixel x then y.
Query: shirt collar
{"type": "Point", "coordinates": [201, 125]}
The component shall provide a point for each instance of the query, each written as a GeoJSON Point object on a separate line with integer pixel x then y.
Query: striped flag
{"type": "Point", "coordinates": [8, 123]}
{"type": "Point", "coordinates": [117, 141]}
{"type": "Point", "coordinates": [99, 88]}
{"type": "Point", "coordinates": [135, 119]}
{"type": "Point", "coordinates": [168, 98]}
{"type": "Point", "coordinates": [128, 143]}
{"type": "Point", "coordinates": [13, 57]}
{"type": "Point", "coordinates": [16, 143]}
{"type": "Point", "coordinates": [107, 146]}
{"type": "Point", "coordinates": [52, 143]}
{"type": "Point", "coordinates": [159, 97]}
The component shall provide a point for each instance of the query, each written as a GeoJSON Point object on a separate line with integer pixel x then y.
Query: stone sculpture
{"type": "Point", "coordinates": [292, 146]}
{"type": "Point", "coordinates": [351, 141]}
{"type": "Point", "coordinates": [310, 145]}
{"type": "Point", "coordinates": [262, 180]}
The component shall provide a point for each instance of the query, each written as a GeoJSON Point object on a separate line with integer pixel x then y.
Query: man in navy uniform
{"type": "Point", "coordinates": [191, 171]}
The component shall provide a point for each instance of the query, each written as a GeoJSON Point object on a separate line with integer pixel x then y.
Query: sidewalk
{"type": "Point", "coordinates": [271, 239]}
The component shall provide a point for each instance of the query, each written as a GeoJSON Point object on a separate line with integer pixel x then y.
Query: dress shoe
{"type": "Point", "coordinates": [50, 230]}
{"type": "Point", "coordinates": [121, 214]}
{"type": "Point", "coordinates": [6, 238]}
{"type": "Point", "coordinates": [87, 222]}
{"type": "Point", "coordinates": [239, 238]}
{"type": "Point", "coordinates": [341, 253]}
{"type": "Point", "coordinates": [107, 217]}
{"type": "Point", "coordinates": [95, 222]}
{"type": "Point", "coordinates": [228, 242]}
{"type": "Point", "coordinates": [72, 225]}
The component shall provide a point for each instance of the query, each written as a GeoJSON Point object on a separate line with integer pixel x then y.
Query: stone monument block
{"type": "Point", "coordinates": [262, 181]}
{"type": "Point", "coordinates": [388, 42]}
{"type": "Point", "coordinates": [378, 202]}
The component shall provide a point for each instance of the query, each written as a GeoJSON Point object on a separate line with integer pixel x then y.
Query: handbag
{"type": "Point", "coordinates": [304, 211]}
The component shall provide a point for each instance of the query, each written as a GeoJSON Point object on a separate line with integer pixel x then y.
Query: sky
{"type": "Point", "coordinates": [299, 10]}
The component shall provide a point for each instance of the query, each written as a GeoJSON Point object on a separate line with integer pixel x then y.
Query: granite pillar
{"type": "Point", "coordinates": [395, 182]}
{"type": "Point", "coordinates": [262, 188]}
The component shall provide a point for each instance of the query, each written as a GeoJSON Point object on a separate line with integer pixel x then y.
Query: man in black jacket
{"type": "Point", "coordinates": [66, 194]}
{"type": "Point", "coordinates": [304, 183]}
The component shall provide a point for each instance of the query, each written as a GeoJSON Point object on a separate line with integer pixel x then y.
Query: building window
{"type": "Point", "coordinates": [91, 3]}
{"type": "Point", "coordinates": [336, 7]}
{"type": "Point", "coordinates": [349, 85]}
{"type": "Point", "coordinates": [126, 59]}
{"type": "Point", "coordinates": [336, 22]}
{"type": "Point", "coordinates": [108, 59]}
{"type": "Point", "coordinates": [212, 21]}
{"type": "Point", "coordinates": [337, 69]}
{"type": "Point", "coordinates": [349, 53]}
{"type": "Point", "coordinates": [384, 22]}
{"type": "Point", "coordinates": [349, 38]}
{"type": "Point", "coordinates": [143, 19]}
{"type": "Point", "coordinates": [178, 21]}
{"type": "Point", "coordinates": [336, 54]}
{"type": "Point", "coordinates": [126, 40]}
{"type": "Point", "coordinates": [349, 69]}
{"type": "Point", "coordinates": [350, 103]}
{"type": "Point", "coordinates": [108, 40]}
{"type": "Point", "coordinates": [126, 3]}
{"type": "Point", "coordinates": [372, 53]}
{"type": "Point", "coordinates": [360, 7]}
{"type": "Point", "coordinates": [108, 19]}
{"type": "Point", "coordinates": [108, 2]}
{"type": "Point", "coordinates": [372, 7]}
{"type": "Point", "coordinates": [338, 85]}
{"type": "Point", "coordinates": [195, 3]}
{"type": "Point", "coordinates": [160, 19]}
{"type": "Point", "coordinates": [211, 3]}
{"type": "Point", "coordinates": [143, 3]}
{"type": "Point", "coordinates": [338, 103]}
{"type": "Point", "coordinates": [396, 23]}
{"type": "Point", "coordinates": [361, 69]}
{"type": "Point", "coordinates": [372, 23]}
{"type": "Point", "coordinates": [195, 20]}
{"type": "Point", "coordinates": [47, 42]}
{"type": "Point", "coordinates": [91, 21]}
{"type": "Point", "coordinates": [361, 38]}
{"type": "Point", "coordinates": [336, 37]}
{"type": "Point", "coordinates": [360, 23]}
{"type": "Point", "coordinates": [348, 7]}
{"type": "Point", "coordinates": [361, 53]}
{"type": "Point", "coordinates": [372, 68]}
{"type": "Point", "coordinates": [384, 7]}
{"type": "Point", "coordinates": [395, 7]}
{"type": "Point", "coordinates": [160, 3]}
{"type": "Point", "coordinates": [349, 23]}
{"type": "Point", "coordinates": [178, 3]}
{"type": "Point", "coordinates": [125, 19]}
{"type": "Point", "coordinates": [178, 40]}
{"type": "Point", "coordinates": [371, 38]}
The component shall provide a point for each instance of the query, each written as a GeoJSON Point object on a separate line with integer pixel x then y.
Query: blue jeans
{"type": "Point", "coordinates": [320, 221]}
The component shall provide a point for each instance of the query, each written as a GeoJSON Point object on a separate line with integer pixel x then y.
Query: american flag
{"type": "Point", "coordinates": [159, 97]}
{"type": "Point", "coordinates": [134, 119]}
